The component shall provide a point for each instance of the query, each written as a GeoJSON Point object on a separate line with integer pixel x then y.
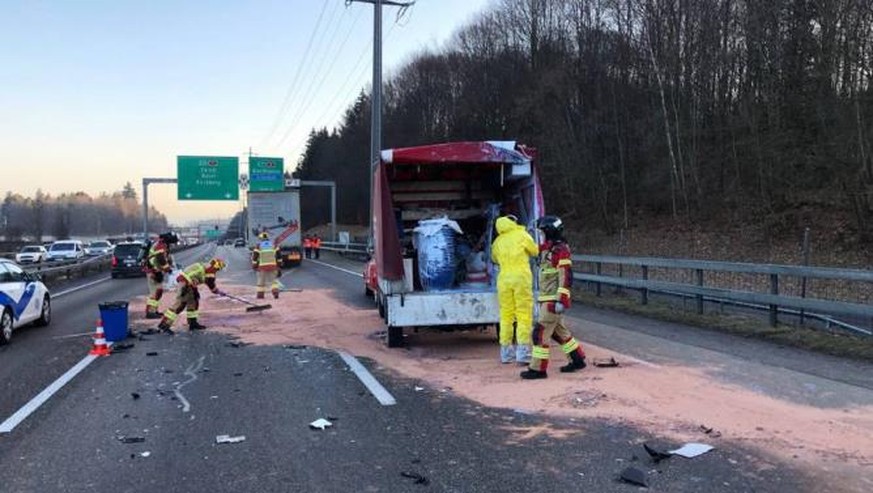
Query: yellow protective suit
{"type": "Point", "coordinates": [512, 251]}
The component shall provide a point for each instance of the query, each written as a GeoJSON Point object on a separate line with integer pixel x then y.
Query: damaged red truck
{"type": "Point", "coordinates": [434, 209]}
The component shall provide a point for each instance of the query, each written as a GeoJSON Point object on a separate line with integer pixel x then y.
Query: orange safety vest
{"type": "Point", "coordinates": [316, 243]}
{"type": "Point", "coordinates": [307, 243]}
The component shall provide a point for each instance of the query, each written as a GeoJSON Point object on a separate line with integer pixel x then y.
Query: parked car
{"type": "Point", "coordinates": [24, 299]}
{"type": "Point", "coordinates": [239, 243]}
{"type": "Point", "coordinates": [31, 254]}
{"type": "Point", "coordinates": [97, 248]}
{"type": "Point", "coordinates": [66, 250]}
{"type": "Point", "coordinates": [127, 259]}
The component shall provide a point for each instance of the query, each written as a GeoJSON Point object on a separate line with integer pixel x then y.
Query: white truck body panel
{"type": "Point", "coordinates": [442, 308]}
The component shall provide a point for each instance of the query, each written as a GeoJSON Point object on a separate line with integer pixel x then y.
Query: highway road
{"type": "Point", "coordinates": [178, 393]}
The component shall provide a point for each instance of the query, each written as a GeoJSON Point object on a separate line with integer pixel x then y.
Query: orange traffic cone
{"type": "Point", "coordinates": [100, 347]}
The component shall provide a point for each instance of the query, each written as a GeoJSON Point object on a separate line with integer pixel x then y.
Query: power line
{"type": "Point", "coordinates": [309, 98]}
{"type": "Point", "coordinates": [295, 78]}
{"type": "Point", "coordinates": [294, 89]}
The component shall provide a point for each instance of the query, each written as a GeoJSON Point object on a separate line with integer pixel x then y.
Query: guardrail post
{"type": "Point", "coordinates": [774, 309]}
{"type": "Point", "coordinates": [699, 296]}
{"type": "Point", "coordinates": [598, 269]}
{"type": "Point", "coordinates": [644, 293]}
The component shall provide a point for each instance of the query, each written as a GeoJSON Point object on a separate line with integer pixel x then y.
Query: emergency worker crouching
{"type": "Point", "coordinates": [265, 262]}
{"type": "Point", "coordinates": [188, 294]}
{"type": "Point", "coordinates": [158, 263]}
{"type": "Point", "coordinates": [512, 251]}
{"type": "Point", "coordinates": [555, 279]}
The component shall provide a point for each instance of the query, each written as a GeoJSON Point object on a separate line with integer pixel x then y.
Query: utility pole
{"type": "Point", "coordinates": [376, 98]}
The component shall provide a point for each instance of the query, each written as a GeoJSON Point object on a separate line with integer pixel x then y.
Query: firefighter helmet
{"type": "Point", "coordinates": [264, 236]}
{"type": "Point", "coordinates": [552, 227]}
{"type": "Point", "coordinates": [217, 263]}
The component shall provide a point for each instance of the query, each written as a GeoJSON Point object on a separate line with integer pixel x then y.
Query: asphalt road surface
{"type": "Point", "coordinates": [172, 396]}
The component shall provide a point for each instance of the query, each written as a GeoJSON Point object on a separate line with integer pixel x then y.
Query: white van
{"type": "Point", "coordinates": [66, 250]}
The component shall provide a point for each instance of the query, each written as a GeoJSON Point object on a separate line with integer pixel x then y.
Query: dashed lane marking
{"type": "Point", "coordinates": [383, 396]}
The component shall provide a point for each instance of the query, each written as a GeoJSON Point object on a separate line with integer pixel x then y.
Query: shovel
{"type": "Point", "coordinates": [253, 307]}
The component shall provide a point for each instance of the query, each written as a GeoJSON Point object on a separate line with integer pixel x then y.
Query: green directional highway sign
{"type": "Point", "coordinates": [207, 178]}
{"type": "Point", "coordinates": [266, 174]}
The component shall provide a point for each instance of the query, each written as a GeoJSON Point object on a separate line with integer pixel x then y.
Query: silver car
{"type": "Point", "coordinates": [97, 248]}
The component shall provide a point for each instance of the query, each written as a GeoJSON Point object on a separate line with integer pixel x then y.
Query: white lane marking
{"type": "Point", "coordinates": [640, 361]}
{"type": "Point", "coordinates": [71, 336]}
{"type": "Point", "coordinates": [319, 262]}
{"type": "Point", "coordinates": [369, 381]}
{"type": "Point", "coordinates": [22, 414]}
{"type": "Point", "coordinates": [78, 288]}
{"type": "Point", "coordinates": [191, 371]}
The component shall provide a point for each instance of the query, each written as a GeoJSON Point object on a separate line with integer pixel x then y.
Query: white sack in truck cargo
{"type": "Point", "coordinates": [435, 244]}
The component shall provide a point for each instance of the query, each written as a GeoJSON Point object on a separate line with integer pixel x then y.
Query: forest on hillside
{"type": "Point", "coordinates": [689, 110]}
{"type": "Point", "coordinates": [74, 214]}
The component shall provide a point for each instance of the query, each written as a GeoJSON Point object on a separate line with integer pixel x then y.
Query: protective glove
{"type": "Point", "coordinates": [559, 308]}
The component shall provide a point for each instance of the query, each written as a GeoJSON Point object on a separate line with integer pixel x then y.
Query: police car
{"type": "Point", "coordinates": [23, 299]}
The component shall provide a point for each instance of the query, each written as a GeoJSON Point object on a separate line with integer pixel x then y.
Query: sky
{"type": "Point", "coordinates": [96, 93]}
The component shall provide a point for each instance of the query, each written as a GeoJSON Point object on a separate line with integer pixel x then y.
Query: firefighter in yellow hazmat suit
{"type": "Point", "coordinates": [512, 251]}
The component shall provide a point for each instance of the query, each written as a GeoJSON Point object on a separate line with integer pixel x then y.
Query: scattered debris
{"type": "Point", "coordinates": [605, 362]}
{"type": "Point", "coordinates": [418, 389]}
{"type": "Point", "coordinates": [229, 439]}
{"type": "Point", "coordinates": [238, 344]}
{"type": "Point", "coordinates": [522, 411]}
{"type": "Point", "coordinates": [692, 450]}
{"type": "Point", "coordinates": [656, 454]}
{"type": "Point", "coordinates": [213, 397]}
{"type": "Point", "coordinates": [238, 374]}
{"type": "Point", "coordinates": [124, 439]}
{"type": "Point", "coordinates": [320, 424]}
{"type": "Point", "coordinates": [419, 479]}
{"type": "Point", "coordinates": [710, 431]}
{"type": "Point", "coordinates": [634, 476]}
{"type": "Point", "coordinates": [294, 346]}
{"type": "Point", "coordinates": [121, 347]}
{"type": "Point", "coordinates": [142, 337]}
{"type": "Point", "coordinates": [145, 454]}
{"type": "Point", "coordinates": [149, 331]}
{"type": "Point", "coordinates": [135, 395]}
{"type": "Point", "coordinates": [152, 353]}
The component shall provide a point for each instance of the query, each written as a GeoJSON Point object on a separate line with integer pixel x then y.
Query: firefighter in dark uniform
{"type": "Point", "coordinates": [555, 279]}
{"type": "Point", "coordinates": [159, 263]}
{"type": "Point", "coordinates": [188, 294]}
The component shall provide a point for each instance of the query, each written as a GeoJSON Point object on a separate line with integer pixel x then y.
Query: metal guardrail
{"type": "Point", "coordinates": [357, 248]}
{"type": "Point", "coordinates": [717, 281]}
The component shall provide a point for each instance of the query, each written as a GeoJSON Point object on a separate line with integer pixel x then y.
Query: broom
{"type": "Point", "coordinates": [253, 308]}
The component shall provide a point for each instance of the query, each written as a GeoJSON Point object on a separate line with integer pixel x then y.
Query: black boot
{"type": "Point", "coordinates": [164, 328]}
{"type": "Point", "coordinates": [153, 315]}
{"type": "Point", "coordinates": [533, 374]}
{"type": "Point", "coordinates": [576, 363]}
{"type": "Point", "coordinates": [193, 324]}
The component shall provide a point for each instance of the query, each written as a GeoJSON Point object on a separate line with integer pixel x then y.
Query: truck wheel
{"type": "Point", "coordinates": [383, 310]}
{"type": "Point", "coordinates": [395, 336]}
{"type": "Point", "coordinates": [367, 292]}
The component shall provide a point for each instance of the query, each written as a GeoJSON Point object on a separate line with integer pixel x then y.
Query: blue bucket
{"type": "Point", "coordinates": [114, 317]}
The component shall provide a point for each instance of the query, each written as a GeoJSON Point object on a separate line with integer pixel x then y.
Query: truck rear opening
{"type": "Point", "coordinates": [468, 183]}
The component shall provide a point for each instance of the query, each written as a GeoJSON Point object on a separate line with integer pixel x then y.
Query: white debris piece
{"type": "Point", "coordinates": [419, 389]}
{"type": "Point", "coordinates": [229, 439]}
{"type": "Point", "coordinates": [320, 424]}
{"type": "Point", "coordinates": [145, 454]}
{"type": "Point", "coordinates": [692, 450]}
